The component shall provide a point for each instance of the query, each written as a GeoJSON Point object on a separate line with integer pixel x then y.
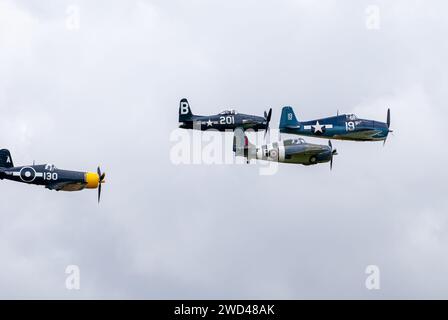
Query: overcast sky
{"type": "Point", "coordinates": [105, 88]}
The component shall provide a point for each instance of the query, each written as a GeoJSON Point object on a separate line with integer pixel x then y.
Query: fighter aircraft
{"type": "Point", "coordinates": [340, 127]}
{"type": "Point", "coordinates": [295, 151]}
{"type": "Point", "coordinates": [49, 176]}
{"type": "Point", "coordinates": [226, 120]}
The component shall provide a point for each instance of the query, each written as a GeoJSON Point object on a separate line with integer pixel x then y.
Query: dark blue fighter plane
{"type": "Point", "coordinates": [340, 127]}
{"type": "Point", "coordinates": [226, 120]}
{"type": "Point", "coordinates": [49, 176]}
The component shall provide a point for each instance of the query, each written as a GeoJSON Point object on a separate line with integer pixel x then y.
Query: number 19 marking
{"type": "Point", "coordinates": [350, 126]}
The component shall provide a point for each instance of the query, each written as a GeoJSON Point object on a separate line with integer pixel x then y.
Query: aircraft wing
{"type": "Point", "coordinates": [66, 186]}
{"type": "Point", "coordinates": [361, 134]}
{"type": "Point", "coordinates": [307, 151]}
{"type": "Point", "coordinates": [57, 186]}
{"type": "Point", "coordinates": [247, 124]}
{"type": "Point", "coordinates": [311, 152]}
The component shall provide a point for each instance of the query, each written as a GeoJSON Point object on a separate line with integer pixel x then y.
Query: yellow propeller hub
{"type": "Point", "coordinates": [92, 180]}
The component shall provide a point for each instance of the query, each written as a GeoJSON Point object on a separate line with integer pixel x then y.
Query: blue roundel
{"type": "Point", "coordinates": [27, 174]}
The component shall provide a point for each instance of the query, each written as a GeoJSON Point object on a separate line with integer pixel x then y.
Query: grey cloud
{"type": "Point", "coordinates": [108, 94]}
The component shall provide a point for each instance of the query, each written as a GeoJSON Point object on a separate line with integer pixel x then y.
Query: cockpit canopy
{"type": "Point", "coordinates": [228, 112]}
{"type": "Point", "coordinates": [352, 117]}
{"type": "Point", "coordinates": [50, 167]}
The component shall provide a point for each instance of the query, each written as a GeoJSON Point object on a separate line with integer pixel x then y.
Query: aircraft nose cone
{"type": "Point", "coordinates": [92, 180]}
{"type": "Point", "coordinates": [325, 154]}
{"type": "Point", "coordinates": [382, 127]}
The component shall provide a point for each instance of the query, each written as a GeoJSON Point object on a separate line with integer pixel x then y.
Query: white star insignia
{"type": "Point", "coordinates": [209, 123]}
{"type": "Point", "coordinates": [318, 127]}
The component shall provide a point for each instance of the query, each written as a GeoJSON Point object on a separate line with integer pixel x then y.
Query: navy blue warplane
{"type": "Point", "coordinates": [295, 151]}
{"type": "Point", "coordinates": [226, 120]}
{"type": "Point", "coordinates": [49, 176]}
{"type": "Point", "coordinates": [340, 127]}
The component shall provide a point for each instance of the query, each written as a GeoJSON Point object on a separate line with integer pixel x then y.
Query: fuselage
{"type": "Point", "coordinates": [51, 177]}
{"type": "Point", "coordinates": [295, 151]}
{"type": "Point", "coordinates": [225, 122]}
{"type": "Point", "coordinates": [343, 127]}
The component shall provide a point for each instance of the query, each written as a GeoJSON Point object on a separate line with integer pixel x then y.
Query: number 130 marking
{"type": "Point", "coordinates": [50, 176]}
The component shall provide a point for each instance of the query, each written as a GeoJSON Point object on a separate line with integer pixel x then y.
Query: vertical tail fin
{"type": "Point", "coordinates": [242, 146]}
{"type": "Point", "coordinates": [288, 118]}
{"type": "Point", "coordinates": [185, 113]}
{"type": "Point", "coordinates": [6, 159]}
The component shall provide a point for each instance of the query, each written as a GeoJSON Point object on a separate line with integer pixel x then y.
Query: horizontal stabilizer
{"type": "Point", "coordinates": [241, 145]}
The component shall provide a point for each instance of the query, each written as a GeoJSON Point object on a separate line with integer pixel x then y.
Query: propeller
{"type": "Point", "coordinates": [268, 117]}
{"type": "Point", "coordinates": [388, 118]}
{"type": "Point", "coordinates": [388, 125]}
{"type": "Point", "coordinates": [333, 153]}
{"type": "Point", "coordinates": [101, 176]}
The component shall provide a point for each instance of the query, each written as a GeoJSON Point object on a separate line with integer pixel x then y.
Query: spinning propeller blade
{"type": "Point", "coordinates": [101, 176]}
{"type": "Point", "coordinates": [388, 118]}
{"type": "Point", "coordinates": [268, 117]}
{"type": "Point", "coordinates": [388, 126]}
{"type": "Point", "coordinates": [333, 153]}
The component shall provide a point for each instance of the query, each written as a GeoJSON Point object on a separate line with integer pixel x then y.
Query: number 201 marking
{"type": "Point", "coordinates": [227, 120]}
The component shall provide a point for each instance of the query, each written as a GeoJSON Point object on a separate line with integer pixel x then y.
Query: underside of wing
{"type": "Point", "coordinates": [362, 134]}
{"type": "Point", "coordinates": [310, 153]}
{"type": "Point", "coordinates": [66, 186]}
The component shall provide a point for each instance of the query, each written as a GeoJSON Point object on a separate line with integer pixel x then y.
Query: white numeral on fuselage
{"type": "Point", "coordinates": [48, 176]}
{"type": "Point", "coordinates": [227, 120]}
{"type": "Point", "coordinates": [350, 126]}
